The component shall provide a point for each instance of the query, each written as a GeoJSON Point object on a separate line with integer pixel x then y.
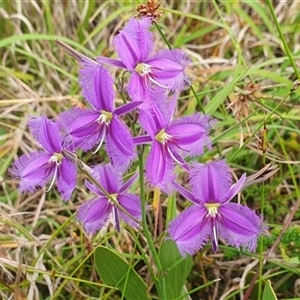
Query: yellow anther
{"type": "Point", "coordinates": [105, 116]}
{"type": "Point", "coordinates": [162, 137]}
{"type": "Point", "coordinates": [114, 197]}
{"type": "Point", "coordinates": [57, 158]}
{"type": "Point", "coordinates": [212, 208]}
{"type": "Point", "coordinates": [139, 69]}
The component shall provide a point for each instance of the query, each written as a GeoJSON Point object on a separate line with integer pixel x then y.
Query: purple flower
{"type": "Point", "coordinates": [171, 140]}
{"type": "Point", "coordinates": [165, 69]}
{"type": "Point", "coordinates": [40, 167]}
{"type": "Point", "coordinates": [96, 212]}
{"type": "Point", "coordinates": [212, 215]}
{"type": "Point", "coordinates": [88, 127]}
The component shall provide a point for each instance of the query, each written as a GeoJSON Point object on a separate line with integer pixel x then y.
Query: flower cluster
{"type": "Point", "coordinates": [154, 83]}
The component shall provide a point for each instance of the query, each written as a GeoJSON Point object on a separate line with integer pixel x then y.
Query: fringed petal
{"type": "Point", "coordinates": [119, 145]}
{"type": "Point", "coordinates": [137, 90]}
{"type": "Point", "coordinates": [240, 226]}
{"type": "Point", "coordinates": [134, 42]}
{"type": "Point", "coordinates": [189, 230]}
{"type": "Point", "coordinates": [104, 91]}
{"type": "Point", "coordinates": [33, 171]}
{"type": "Point", "coordinates": [132, 205]}
{"type": "Point", "coordinates": [109, 178]}
{"type": "Point", "coordinates": [210, 182]}
{"type": "Point", "coordinates": [82, 128]}
{"type": "Point", "coordinates": [191, 134]}
{"type": "Point", "coordinates": [159, 167]}
{"type": "Point", "coordinates": [66, 180]}
{"type": "Point", "coordinates": [97, 85]}
{"type": "Point", "coordinates": [87, 74]}
{"type": "Point", "coordinates": [94, 214]}
{"type": "Point", "coordinates": [47, 133]}
{"type": "Point", "coordinates": [168, 68]}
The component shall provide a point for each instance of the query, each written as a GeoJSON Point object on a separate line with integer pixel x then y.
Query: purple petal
{"type": "Point", "coordinates": [214, 235]}
{"type": "Point", "coordinates": [119, 145]}
{"type": "Point", "coordinates": [175, 155]}
{"type": "Point", "coordinates": [164, 69]}
{"type": "Point", "coordinates": [152, 120]}
{"type": "Point", "coordinates": [137, 88]}
{"type": "Point", "coordinates": [110, 61]}
{"type": "Point", "coordinates": [189, 230]}
{"type": "Point", "coordinates": [104, 91]}
{"type": "Point", "coordinates": [128, 183]}
{"type": "Point", "coordinates": [236, 188]}
{"type": "Point", "coordinates": [148, 123]}
{"type": "Point", "coordinates": [94, 214]}
{"type": "Point", "coordinates": [239, 226]}
{"type": "Point", "coordinates": [164, 106]}
{"type": "Point", "coordinates": [97, 138]}
{"type": "Point", "coordinates": [185, 193]}
{"type": "Point", "coordinates": [47, 133]}
{"type": "Point", "coordinates": [33, 170]}
{"type": "Point", "coordinates": [79, 122]}
{"type": "Point", "coordinates": [135, 42]}
{"type": "Point", "coordinates": [128, 50]}
{"type": "Point", "coordinates": [139, 30]}
{"type": "Point", "coordinates": [159, 167]}
{"type": "Point", "coordinates": [132, 204]}
{"type": "Point", "coordinates": [168, 68]}
{"type": "Point", "coordinates": [97, 86]}
{"type": "Point", "coordinates": [210, 182]}
{"type": "Point", "coordinates": [191, 133]}
{"type": "Point", "coordinates": [66, 180]}
{"type": "Point", "coordinates": [109, 178]}
{"type": "Point", "coordinates": [126, 108]}
{"type": "Point", "coordinates": [87, 75]}
{"type": "Point", "coordinates": [93, 188]}
{"type": "Point", "coordinates": [82, 127]}
{"type": "Point", "coordinates": [144, 139]}
{"type": "Point", "coordinates": [116, 218]}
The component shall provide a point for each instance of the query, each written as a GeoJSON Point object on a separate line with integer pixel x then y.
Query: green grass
{"type": "Point", "coordinates": [44, 252]}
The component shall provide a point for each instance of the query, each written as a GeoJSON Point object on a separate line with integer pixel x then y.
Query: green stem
{"type": "Point", "coordinates": [261, 241]}
{"type": "Point", "coordinates": [147, 233]}
{"type": "Point", "coordinates": [163, 36]}
{"type": "Point", "coordinates": [285, 45]}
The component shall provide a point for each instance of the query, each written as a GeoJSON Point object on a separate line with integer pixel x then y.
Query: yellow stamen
{"type": "Point", "coordinates": [212, 208]}
{"type": "Point", "coordinates": [113, 197]}
{"type": "Point", "coordinates": [162, 137]}
{"type": "Point", "coordinates": [57, 158]}
{"type": "Point", "coordinates": [139, 69]}
{"type": "Point", "coordinates": [105, 116]}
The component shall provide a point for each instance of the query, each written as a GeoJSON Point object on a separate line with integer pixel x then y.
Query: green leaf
{"type": "Point", "coordinates": [269, 293]}
{"type": "Point", "coordinates": [175, 267]}
{"type": "Point", "coordinates": [115, 271]}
